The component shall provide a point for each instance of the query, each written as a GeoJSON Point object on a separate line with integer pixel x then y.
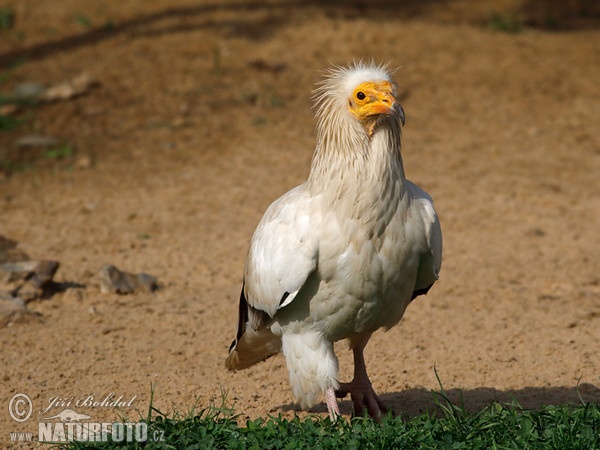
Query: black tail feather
{"type": "Point", "coordinates": [242, 318]}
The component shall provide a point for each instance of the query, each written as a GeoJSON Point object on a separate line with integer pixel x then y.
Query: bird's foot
{"type": "Point", "coordinates": [363, 397]}
{"type": "Point", "coordinates": [332, 405]}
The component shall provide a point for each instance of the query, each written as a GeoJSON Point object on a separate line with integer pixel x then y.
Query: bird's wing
{"type": "Point", "coordinates": [283, 252]}
{"type": "Point", "coordinates": [431, 251]}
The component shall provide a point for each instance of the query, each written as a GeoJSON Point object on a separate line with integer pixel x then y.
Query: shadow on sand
{"type": "Point", "coordinates": [414, 402]}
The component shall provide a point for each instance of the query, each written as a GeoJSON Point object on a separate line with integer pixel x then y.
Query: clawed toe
{"type": "Point", "coordinates": [363, 398]}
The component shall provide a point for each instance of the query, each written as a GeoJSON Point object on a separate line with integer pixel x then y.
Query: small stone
{"type": "Point", "coordinates": [38, 273]}
{"type": "Point", "coordinates": [35, 140]}
{"type": "Point", "coordinates": [29, 280]}
{"type": "Point", "coordinates": [146, 283]}
{"type": "Point", "coordinates": [29, 91]}
{"type": "Point", "coordinates": [16, 271]}
{"type": "Point", "coordinates": [44, 273]}
{"type": "Point", "coordinates": [115, 281]}
{"type": "Point", "coordinates": [14, 309]}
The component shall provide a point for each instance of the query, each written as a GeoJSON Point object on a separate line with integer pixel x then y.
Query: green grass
{"type": "Point", "coordinates": [8, 123]}
{"type": "Point", "coordinates": [60, 152]}
{"type": "Point", "coordinates": [83, 20]}
{"type": "Point", "coordinates": [499, 426]}
{"type": "Point", "coordinates": [7, 18]}
{"type": "Point", "coordinates": [505, 23]}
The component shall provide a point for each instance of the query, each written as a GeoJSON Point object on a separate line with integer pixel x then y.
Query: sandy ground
{"type": "Point", "coordinates": [202, 117]}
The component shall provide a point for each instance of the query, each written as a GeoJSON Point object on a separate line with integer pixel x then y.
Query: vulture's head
{"type": "Point", "coordinates": [360, 96]}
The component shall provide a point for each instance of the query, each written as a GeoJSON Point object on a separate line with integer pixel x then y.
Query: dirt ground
{"type": "Point", "coordinates": [202, 117]}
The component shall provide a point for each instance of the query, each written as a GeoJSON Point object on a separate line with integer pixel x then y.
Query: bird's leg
{"type": "Point", "coordinates": [332, 405]}
{"type": "Point", "coordinates": [360, 389]}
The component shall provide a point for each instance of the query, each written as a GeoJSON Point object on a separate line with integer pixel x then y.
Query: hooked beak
{"type": "Point", "coordinates": [381, 99]}
{"type": "Point", "coordinates": [373, 99]}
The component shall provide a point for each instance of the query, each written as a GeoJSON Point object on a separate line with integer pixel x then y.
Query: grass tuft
{"type": "Point", "coordinates": [7, 18]}
{"type": "Point", "coordinates": [9, 123]}
{"type": "Point", "coordinates": [83, 20]}
{"type": "Point", "coordinates": [60, 152]}
{"type": "Point", "coordinates": [505, 23]}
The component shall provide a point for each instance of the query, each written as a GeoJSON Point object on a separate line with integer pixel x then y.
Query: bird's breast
{"type": "Point", "coordinates": [366, 273]}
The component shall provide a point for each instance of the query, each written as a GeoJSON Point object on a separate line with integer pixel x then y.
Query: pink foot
{"type": "Point", "coordinates": [332, 406]}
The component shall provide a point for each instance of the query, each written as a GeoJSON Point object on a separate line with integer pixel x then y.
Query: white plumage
{"type": "Point", "coordinates": [343, 254]}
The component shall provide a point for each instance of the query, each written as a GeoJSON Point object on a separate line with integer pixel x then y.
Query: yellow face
{"type": "Point", "coordinates": [371, 99]}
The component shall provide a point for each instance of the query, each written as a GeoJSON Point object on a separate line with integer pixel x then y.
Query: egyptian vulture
{"type": "Point", "coordinates": [344, 253]}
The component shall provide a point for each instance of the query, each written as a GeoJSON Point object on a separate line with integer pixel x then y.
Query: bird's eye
{"type": "Point", "coordinates": [360, 95]}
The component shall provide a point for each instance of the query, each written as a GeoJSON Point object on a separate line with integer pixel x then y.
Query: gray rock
{"type": "Point", "coordinates": [37, 273]}
{"type": "Point", "coordinates": [44, 272]}
{"type": "Point", "coordinates": [14, 309]}
{"type": "Point", "coordinates": [29, 91]}
{"type": "Point", "coordinates": [17, 270]}
{"type": "Point", "coordinates": [146, 283]}
{"type": "Point", "coordinates": [28, 280]}
{"type": "Point", "coordinates": [115, 281]}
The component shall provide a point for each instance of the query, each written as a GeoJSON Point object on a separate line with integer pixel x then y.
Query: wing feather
{"type": "Point", "coordinates": [431, 258]}
{"type": "Point", "coordinates": [283, 252]}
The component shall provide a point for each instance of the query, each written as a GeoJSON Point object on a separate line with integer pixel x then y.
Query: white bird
{"type": "Point", "coordinates": [344, 253]}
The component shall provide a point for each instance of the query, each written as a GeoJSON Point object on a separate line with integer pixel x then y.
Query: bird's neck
{"type": "Point", "coordinates": [357, 171]}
